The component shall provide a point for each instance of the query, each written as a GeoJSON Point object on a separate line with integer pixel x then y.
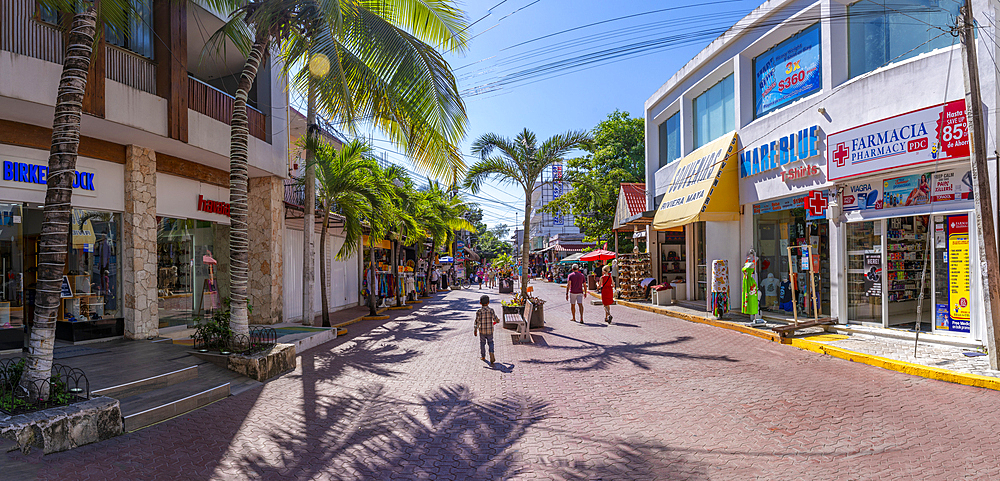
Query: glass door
{"type": "Point", "coordinates": [864, 272]}
{"type": "Point", "coordinates": [701, 263]}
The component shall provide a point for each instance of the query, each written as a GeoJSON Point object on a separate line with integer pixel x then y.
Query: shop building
{"type": "Point", "coordinates": [150, 234]}
{"type": "Point", "coordinates": [794, 135]}
{"type": "Point", "coordinates": [342, 275]}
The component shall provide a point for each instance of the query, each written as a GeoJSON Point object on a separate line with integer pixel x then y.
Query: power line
{"type": "Point", "coordinates": [613, 51]}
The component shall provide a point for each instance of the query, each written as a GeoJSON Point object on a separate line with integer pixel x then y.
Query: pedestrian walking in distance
{"type": "Point", "coordinates": [607, 293]}
{"type": "Point", "coordinates": [485, 320]}
{"type": "Point", "coordinates": [576, 290]}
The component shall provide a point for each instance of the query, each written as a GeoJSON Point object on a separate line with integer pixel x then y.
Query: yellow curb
{"type": "Point", "coordinates": [375, 318]}
{"type": "Point", "coordinates": [341, 331]}
{"type": "Point", "coordinates": [904, 367]}
{"type": "Point", "coordinates": [399, 308]}
{"type": "Point", "coordinates": [770, 336]}
{"type": "Point", "coordinates": [416, 302]}
{"type": "Point", "coordinates": [361, 318]}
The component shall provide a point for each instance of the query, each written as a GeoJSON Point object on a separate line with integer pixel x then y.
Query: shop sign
{"type": "Point", "coordinates": [927, 135]}
{"type": "Point", "coordinates": [918, 189]}
{"type": "Point", "coordinates": [814, 203]}
{"type": "Point", "coordinates": [29, 175]}
{"type": "Point", "coordinates": [688, 197]}
{"type": "Point", "coordinates": [873, 274]}
{"type": "Point", "coordinates": [800, 145]}
{"type": "Point", "coordinates": [213, 207]}
{"type": "Point", "coordinates": [557, 191]}
{"type": "Point", "coordinates": [959, 310]}
{"type": "Point", "coordinates": [788, 71]}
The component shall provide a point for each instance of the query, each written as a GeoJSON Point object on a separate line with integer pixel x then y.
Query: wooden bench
{"type": "Point", "coordinates": [522, 326]}
{"type": "Point", "coordinates": [785, 331]}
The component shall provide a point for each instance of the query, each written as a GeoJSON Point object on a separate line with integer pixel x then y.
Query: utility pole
{"type": "Point", "coordinates": [985, 221]}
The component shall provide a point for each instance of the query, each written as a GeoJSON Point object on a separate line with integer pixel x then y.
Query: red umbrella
{"type": "Point", "coordinates": [598, 255]}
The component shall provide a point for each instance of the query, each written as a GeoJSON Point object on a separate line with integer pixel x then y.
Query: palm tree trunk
{"type": "Point", "coordinates": [322, 264]}
{"type": "Point", "coordinates": [57, 216]}
{"type": "Point", "coordinates": [239, 240]}
{"type": "Point", "coordinates": [525, 248]}
{"type": "Point", "coordinates": [430, 265]}
{"type": "Point", "coordinates": [371, 278]}
{"type": "Point", "coordinates": [309, 216]}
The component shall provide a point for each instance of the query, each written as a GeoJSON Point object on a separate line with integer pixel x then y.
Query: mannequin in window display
{"type": "Point", "coordinates": [770, 288]}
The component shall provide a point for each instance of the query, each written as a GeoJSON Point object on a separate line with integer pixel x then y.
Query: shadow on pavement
{"type": "Point", "coordinates": [596, 356]}
{"type": "Point", "coordinates": [370, 435]}
{"type": "Point", "coordinates": [630, 461]}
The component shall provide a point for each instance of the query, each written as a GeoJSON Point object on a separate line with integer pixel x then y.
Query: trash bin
{"type": "Point", "coordinates": [537, 316]}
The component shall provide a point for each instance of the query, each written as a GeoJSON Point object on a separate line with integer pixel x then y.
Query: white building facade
{"type": "Point", "coordinates": [843, 126]}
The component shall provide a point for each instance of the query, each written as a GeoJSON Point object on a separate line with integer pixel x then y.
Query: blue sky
{"type": "Point", "coordinates": [570, 96]}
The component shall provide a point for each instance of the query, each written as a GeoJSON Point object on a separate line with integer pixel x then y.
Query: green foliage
{"type": "Point", "coordinates": [218, 326]}
{"type": "Point", "coordinates": [519, 161]}
{"type": "Point", "coordinates": [59, 394]}
{"type": "Point", "coordinates": [616, 154]}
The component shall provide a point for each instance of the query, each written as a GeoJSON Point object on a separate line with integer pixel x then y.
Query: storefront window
{"type": "Point", "coordinates": [778, 226]}
{"type": "Point", "coordinates": [92, 277]}
{"type": "Point", "coordinates": [192, 269]}
{"type": "Point", "coordinates": [11, 250]}
{"type": "Point", "coordinates": [880, 34]}
{"type": "Point", "coordinates": [92, 266]}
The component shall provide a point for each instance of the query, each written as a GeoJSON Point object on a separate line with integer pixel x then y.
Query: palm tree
{"type": "Point", "coordinates": [440, 214]}
{"type": "Point", "coordinates": [381, 72]}
{"type": "Point", "coordinates": [349, 182]}
{"type": "Point", "coordinates": [520, 161]}
{"type": "Point", "coordinates": [58, 208]}
{"type": "Point", "coordinates": [404, 228]}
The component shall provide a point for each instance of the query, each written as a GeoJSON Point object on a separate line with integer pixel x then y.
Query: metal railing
{"type": "Point", "coordinates": [22, 34]}
{"type": "Point", "coordinates": [67, 385]}
{"type": "Point", "coordinates": [129, 68]}
{"type": "Point", "coordinates": [214, 103]}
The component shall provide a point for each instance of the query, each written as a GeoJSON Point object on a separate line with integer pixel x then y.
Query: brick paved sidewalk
{"type": "Point", "coordinates": [649, 397]}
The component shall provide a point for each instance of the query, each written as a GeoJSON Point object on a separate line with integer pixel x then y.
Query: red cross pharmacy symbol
{"type": "Point", "coordinates": [840, 155]}
{"type": "Point", "coordinates": [815, 203]}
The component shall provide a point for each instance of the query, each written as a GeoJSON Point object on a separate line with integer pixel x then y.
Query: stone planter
{"type": "Point", "coordinates": [63, 428]}
{"type": "Point", "coordinates": [264, 365]}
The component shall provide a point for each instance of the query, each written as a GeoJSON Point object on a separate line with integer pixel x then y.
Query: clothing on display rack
{"type": "Point", "coordinates": [720, 287]}
{"type": "Point", "coordinates": [750, 292]}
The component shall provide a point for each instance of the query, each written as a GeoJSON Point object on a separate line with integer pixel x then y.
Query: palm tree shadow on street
{"type": "Point", "coordinates": [368, 434]}
{"type": "Point", "coordinates": [592, 356]}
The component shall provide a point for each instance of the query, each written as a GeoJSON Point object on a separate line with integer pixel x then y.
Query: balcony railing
{"type": "Point", "coordinates": [295, 193]}
{"type": "Point", "coordinates": [128, 68]}
{"type": "Point", "coordinates": [22, 34]}
{"type": "Point", "coordinates": [210, 101]}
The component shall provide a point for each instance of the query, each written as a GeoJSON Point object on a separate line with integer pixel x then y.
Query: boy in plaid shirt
{"type": "Point", "coordinates": [485, 320]}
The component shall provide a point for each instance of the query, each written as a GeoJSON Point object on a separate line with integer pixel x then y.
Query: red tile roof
{"type": "Point", "coordinates": [635, 197]}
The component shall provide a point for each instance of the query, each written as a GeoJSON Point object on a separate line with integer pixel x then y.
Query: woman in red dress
{"type": "Point", "coordinates": [607, 293]}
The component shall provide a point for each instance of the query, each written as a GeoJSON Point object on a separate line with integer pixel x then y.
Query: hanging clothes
{"type": "Point", "coordinates": [750, 292]}
{"type": "Point", "coordinates": [720, 287]}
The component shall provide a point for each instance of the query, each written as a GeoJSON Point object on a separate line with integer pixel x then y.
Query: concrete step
{"type": "Point", "coordinates": [161, 404]}
{"type": "Point", "coordinates": [151, 383]}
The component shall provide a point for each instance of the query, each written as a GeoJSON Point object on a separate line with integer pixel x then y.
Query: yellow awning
{"type": "Point", "coordinates": [704, 186]}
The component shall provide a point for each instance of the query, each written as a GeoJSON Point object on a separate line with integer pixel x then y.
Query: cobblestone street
{"type": "Point", "coordinates": [649, 397]}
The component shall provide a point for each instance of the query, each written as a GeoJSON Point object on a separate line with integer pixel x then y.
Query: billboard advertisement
{"type": "Point", "coordinates": [788, 71]}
